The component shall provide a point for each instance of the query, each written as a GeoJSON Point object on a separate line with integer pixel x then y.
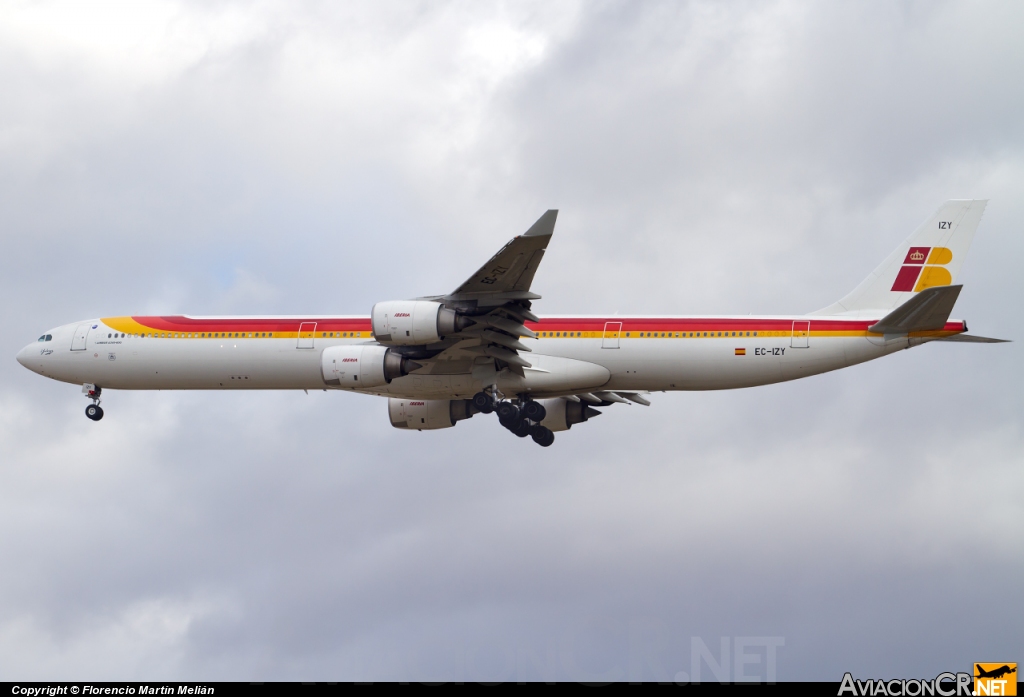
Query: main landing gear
{"type": "Point", "coordinates": [93, 411]}
{"type": "Point", "coordinates": [522, 418]}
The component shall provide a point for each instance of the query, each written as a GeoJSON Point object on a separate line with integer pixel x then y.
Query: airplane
{"type": "Point", "coordinates": [481, 349]}
{"type": "Point", "coordinates": [995, 673]}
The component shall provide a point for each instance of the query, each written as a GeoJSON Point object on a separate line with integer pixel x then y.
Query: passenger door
{"type": "Point", "coordinates": [612, 330]}
{"type": "Point", "coordinates": [81, 333]}
{"type": "Point", "coordinates": [801, 334]}
{"type": "Point", "coordinates": [307, 331]}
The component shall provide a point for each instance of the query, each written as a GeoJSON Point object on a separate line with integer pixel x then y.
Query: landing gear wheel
{"type": "Point", "coordinates": [94, 412]}
{"type": "Point", "coordinates": [542, 435]}
{"type": "Point", "coordinates": [534, 411]}
{"type": "Point", "coordinates": [483, 403]}
{"type": "Point", "coordinates": [507, 414]}
{"type": "Point", "coordinates": [522, 429]}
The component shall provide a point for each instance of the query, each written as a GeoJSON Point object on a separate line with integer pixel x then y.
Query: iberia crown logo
{"type": "Point", "coordinates": [924, 267]}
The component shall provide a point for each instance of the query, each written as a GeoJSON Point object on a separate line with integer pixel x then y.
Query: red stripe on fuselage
{"type": "Point", "coordinates": [179, 323]}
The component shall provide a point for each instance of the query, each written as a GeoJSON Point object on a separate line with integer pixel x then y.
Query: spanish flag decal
{"type": "Point", "coordinates": [741, 352]}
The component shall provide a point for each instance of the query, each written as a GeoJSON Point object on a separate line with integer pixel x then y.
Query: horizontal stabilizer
{"type": "Point", "coordinates": [926, 311]}
{"type": "Point", "coordinates": [970, 339]}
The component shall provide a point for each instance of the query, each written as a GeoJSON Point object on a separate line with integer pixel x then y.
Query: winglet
{"type": "Point", "coordinates": [545, 225]}
{"type": "Point", "coordinates": [509, 273]}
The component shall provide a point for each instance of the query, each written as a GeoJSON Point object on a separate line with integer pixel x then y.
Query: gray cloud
{"type": "Point", "coordinates": [706, 158]}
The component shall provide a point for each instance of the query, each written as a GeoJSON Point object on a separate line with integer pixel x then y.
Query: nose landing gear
{"type": "Point", "coordinates": [93, 411]}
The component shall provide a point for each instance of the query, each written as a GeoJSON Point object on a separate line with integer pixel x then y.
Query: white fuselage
{"type": "Point", "coordinates": [635, 353]}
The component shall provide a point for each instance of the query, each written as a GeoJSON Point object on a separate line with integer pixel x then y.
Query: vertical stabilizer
{"type": "Point", "coordinates": [931, 257]}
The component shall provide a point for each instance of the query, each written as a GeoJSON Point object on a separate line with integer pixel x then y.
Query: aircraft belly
{"type": "Point", "coordinates": [461, 386]}
{"type": "Point", "coordinates": [823, 354]}
{"type": "Point", "coordinates": [709, 364]}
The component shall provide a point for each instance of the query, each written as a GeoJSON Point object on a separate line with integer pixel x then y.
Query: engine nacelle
{"type": "Point", "coordinates": [363, 366]}
{"type": "Point", "coordinates": [562, 413]}
{"type": "Point", "coordinates": [428, 414]}
{"type": "Point", "coordinates": [414, 322]}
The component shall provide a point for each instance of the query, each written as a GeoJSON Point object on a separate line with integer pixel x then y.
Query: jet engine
{"type": "Point", "coordinates": [428, 414]}
{"type": "Point", "coordinates": [415, 322]}
{"type": "Point", "coordinates": [363, 366]}
{"type": "Point", "coordinates": [562, 413]}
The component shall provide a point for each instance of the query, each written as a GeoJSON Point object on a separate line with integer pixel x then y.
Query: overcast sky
{"type": "Point", "coordinates": [278, 157]}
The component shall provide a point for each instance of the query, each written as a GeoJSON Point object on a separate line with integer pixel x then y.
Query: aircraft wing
{"type": "Point", "coordinates": [498, 299]}
{"type": "Point", "coordinates": [509, 273]}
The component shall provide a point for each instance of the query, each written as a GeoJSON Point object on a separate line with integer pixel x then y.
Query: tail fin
{"type": "Point", "coordinates": [931, 257]}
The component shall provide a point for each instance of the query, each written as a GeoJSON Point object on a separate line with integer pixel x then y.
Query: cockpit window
{"type": "Point", "coordinates": [49, 337]}
{"type": "Point", "coordinates": [43, 337]}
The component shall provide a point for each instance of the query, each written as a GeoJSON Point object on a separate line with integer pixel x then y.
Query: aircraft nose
{"type": "Point", "coordinates": [23, 355]}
